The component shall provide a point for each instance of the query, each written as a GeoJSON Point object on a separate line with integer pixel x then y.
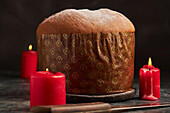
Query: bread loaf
{"type": "Point", "coordinates": [95, 49]}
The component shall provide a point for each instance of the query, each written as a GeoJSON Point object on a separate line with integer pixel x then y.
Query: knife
{"type": "Point", "coordinates": [95, 107]}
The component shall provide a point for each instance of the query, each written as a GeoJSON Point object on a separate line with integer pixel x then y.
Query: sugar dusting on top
{"type": "Point", "coordinates": [96, 20]}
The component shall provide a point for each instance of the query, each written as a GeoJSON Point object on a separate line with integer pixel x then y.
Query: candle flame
{"type": "Point", "coordinates": [46, 69]}
{"type": "Point", "coordinates": [30, 47]}
{"type": "Point", "coordinates": [149, 62]}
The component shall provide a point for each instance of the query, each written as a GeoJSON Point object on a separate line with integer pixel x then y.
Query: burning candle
{"type": "Point", "coordinates": [149, 82]}
{"type": "Point", "coordinates": [28, 63]}
{"type": "Point", "coordinates": [47, 88]}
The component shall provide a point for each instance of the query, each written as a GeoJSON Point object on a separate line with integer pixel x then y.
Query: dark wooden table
{"type": "Point", "coordinates": [15, 97]}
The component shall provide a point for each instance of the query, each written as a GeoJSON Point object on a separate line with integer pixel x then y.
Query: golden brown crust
{"type": "Point", "coordinates": [85, 21]}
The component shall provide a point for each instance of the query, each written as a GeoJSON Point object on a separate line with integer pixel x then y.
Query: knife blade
{"type": "Point", "coordinates": [116, 109]}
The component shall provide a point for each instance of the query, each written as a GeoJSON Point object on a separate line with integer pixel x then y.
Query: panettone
{"type": "Point", "coordinates": [94, 49]}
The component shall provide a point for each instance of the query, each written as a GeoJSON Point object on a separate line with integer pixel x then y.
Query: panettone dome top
{"type": "Point", "coordinates": [85, 21]}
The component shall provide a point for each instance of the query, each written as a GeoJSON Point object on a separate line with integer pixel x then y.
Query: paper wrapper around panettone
{"type": "Point", "coordinates": [95, 63]}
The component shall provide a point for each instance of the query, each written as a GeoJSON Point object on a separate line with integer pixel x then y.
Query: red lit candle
{"type": "Point", "coordinates": [28, 63]}
{"type": "Point", "coordinates": [149, 82]}
{"type": "Point", "coordinates": [47, 88]}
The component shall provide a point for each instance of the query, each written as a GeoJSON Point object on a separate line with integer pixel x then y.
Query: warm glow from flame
{"type": "Point", "coordinates": [149, 62]}
{"type": "Point", "coordinates": [46, 69]}
{"type": "Point", "coordinates": [30, 47]}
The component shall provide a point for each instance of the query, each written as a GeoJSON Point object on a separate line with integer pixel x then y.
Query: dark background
{"type": "Point", "coordinates": [20, 18]}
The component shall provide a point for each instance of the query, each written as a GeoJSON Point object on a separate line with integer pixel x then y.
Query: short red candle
{"type": "Point", "coordinates": [149, 82]}
{"type": "Point", "coordinates": [47, 88]}
{"type": "Point", "coordinates": [28, 63]}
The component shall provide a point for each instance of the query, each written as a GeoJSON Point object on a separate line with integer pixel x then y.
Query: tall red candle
{"type": "Point", "coordinates": [47, 88]}
{"type": "Point", "coordinates": [149, 82]}
{"type": "Point", "coordinates": [28, 63]}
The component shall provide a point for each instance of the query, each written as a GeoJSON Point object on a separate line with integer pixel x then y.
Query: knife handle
{"type": "Point", "coordinates": [83, 107]}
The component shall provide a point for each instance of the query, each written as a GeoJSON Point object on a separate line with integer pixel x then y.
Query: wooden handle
{"type": "Point", "coordinates": [71, 108]}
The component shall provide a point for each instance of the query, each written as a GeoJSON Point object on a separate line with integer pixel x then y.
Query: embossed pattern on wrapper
{"type": "Point", "coordinates": [96, 63]}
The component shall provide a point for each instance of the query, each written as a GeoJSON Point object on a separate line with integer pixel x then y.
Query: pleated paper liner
{"type": "Point", "coordinates": [95, 63]}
